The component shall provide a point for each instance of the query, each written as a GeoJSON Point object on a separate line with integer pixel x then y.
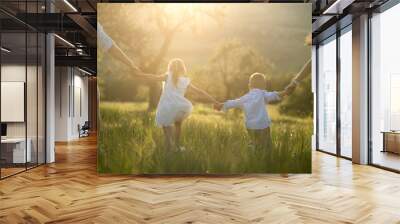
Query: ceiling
{"type": "Point", "coordinates": [75, 22]}
{"type": "Point", "coordinates": [331, 15]}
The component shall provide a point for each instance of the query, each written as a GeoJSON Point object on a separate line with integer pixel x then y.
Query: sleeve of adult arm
{"type": "Point", "coordinates": [104, 41]}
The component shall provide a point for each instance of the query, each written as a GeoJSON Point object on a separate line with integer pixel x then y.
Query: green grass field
{"type": "Point", "coordinates": [215, 142]}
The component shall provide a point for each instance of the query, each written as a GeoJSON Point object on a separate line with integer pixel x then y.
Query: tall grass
{"type": "Point", "coordinates": [215, 143]}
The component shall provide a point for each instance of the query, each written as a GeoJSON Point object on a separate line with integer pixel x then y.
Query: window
{"type": "Point", "coordinates": [327, 96]}
{"type": "Point", "coordinates": [385, 88]}
{"type": "Point", "coordinates": [22, 86]}
{"type": "Point", "coordinates": [346, 92]}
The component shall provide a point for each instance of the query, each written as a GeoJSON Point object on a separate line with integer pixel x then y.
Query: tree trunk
{"type": "Point", "coordinates": [228, 92]}
{"type": "Point", "coordinates": [154, 95]}
{"type": "Point", "coordinates": [153, 68]}
{"type": "Point", "coordinates": [227, 85]}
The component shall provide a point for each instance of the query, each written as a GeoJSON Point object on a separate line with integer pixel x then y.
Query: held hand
{"type": "Point", "coordinates": [308, 40]}
{"type": "Point", "coordinates": [218, 106]}
{"type": "Point", "coordinates": [135, 68]}
{"type": "Point", "coordinates": [290, 88]}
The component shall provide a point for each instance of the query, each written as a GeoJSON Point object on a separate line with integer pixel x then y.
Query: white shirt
{"type": "Point", "coordinates": [254, 106]}
{"type": "Point", "coordinates": [104, 41]}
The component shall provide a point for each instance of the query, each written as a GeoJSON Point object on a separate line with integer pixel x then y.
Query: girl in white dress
{"type": "Point", "coordinates": [173, 108]}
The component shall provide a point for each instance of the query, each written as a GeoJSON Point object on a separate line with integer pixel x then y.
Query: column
{"type": "Point", "coordinates": [360, 90]}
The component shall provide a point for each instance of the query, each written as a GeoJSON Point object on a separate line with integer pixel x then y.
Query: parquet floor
{"type": "Point", "coordinates": [70, 191]}
{"type": "Point", "coordinates": [10, 171]}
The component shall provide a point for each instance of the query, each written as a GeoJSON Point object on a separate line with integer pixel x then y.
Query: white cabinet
{"type": "Point", "coordinates": [19, 155]}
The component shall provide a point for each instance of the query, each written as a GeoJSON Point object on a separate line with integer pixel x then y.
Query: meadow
{"type": "Point", "coordinates": [215, 143]}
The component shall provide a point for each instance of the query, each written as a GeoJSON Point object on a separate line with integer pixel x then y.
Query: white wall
{"type": "Point", "coordinates": [62, 81]}
{"type": "Point", "coordinates": [12, 73]}
{"type": "Point", "coordinates": [71, 94]}
{"type": "Point", "coordinates": [33, 126]}
{"type": "Point", "coordinates": [16, 73]}
{"type": "Point", "coordinates": [80, 100]}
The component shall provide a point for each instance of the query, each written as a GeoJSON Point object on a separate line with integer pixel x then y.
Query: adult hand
{"type": "Point", "coordinates": [135, 68]}
{"type": "Point", "coordinates": [218, 106]}
{"type": "Point", "coordinates": [308, 40]}
{"type": "Point", "coordinates": [290, 88]}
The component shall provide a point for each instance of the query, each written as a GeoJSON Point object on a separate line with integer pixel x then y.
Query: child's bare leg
{"type": "Point", "coordinates": [169, 137]}
{"type": "Point", "coordinates": [178, 128]}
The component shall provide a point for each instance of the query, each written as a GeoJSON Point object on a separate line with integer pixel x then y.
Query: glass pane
{"type": "Point", "coordinates": [41, 99]}
{"type": "Point", "coordinates": [13, 86]}
{"type": "Point", "coordinates": [327, 96]}
{"type": "Point", "coordinates": [22, 67]}
{"type": "Point", "coordinates": [31, 97]}
{"type": "Point", "coordinates": [385, 86]}
{"type": "Point", "coordinates": [346, 94]}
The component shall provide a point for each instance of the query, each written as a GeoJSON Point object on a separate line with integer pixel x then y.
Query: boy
{"type": "Point", "coordinates": [254, 104]}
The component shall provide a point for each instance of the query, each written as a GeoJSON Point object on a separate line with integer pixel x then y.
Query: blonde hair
{"type": "Point", "coordinates": [177, 68]}
{"type": "Point", "coordinates": [257, 81]}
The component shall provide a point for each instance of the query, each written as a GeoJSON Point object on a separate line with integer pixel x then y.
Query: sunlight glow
{"type": "Point", "coordinates": [178, 8]}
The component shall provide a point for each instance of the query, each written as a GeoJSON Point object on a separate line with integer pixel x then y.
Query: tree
{"type": "Point", "coordinates": [168, 25]}
{"type": "Point", "coordinates": [167, 29]}
{"type": "Point", "coordinates": [300, 103]}
{"type": "Point", "coordinates": [138, 29]}
{"type": "Point", "coordinates": [234, 62]}
{"type": "Point", "coordinates": [113, 72]}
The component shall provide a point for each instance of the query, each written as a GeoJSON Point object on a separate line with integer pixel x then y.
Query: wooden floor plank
{"type": "Point", "coordinates": [70, 191]}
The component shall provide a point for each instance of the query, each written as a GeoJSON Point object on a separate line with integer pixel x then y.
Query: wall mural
{"type": "Point", "coordinates": [204, 88]}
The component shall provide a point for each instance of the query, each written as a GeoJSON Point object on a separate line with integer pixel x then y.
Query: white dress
{"type": "Point", "coordinates": [173, 105]}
